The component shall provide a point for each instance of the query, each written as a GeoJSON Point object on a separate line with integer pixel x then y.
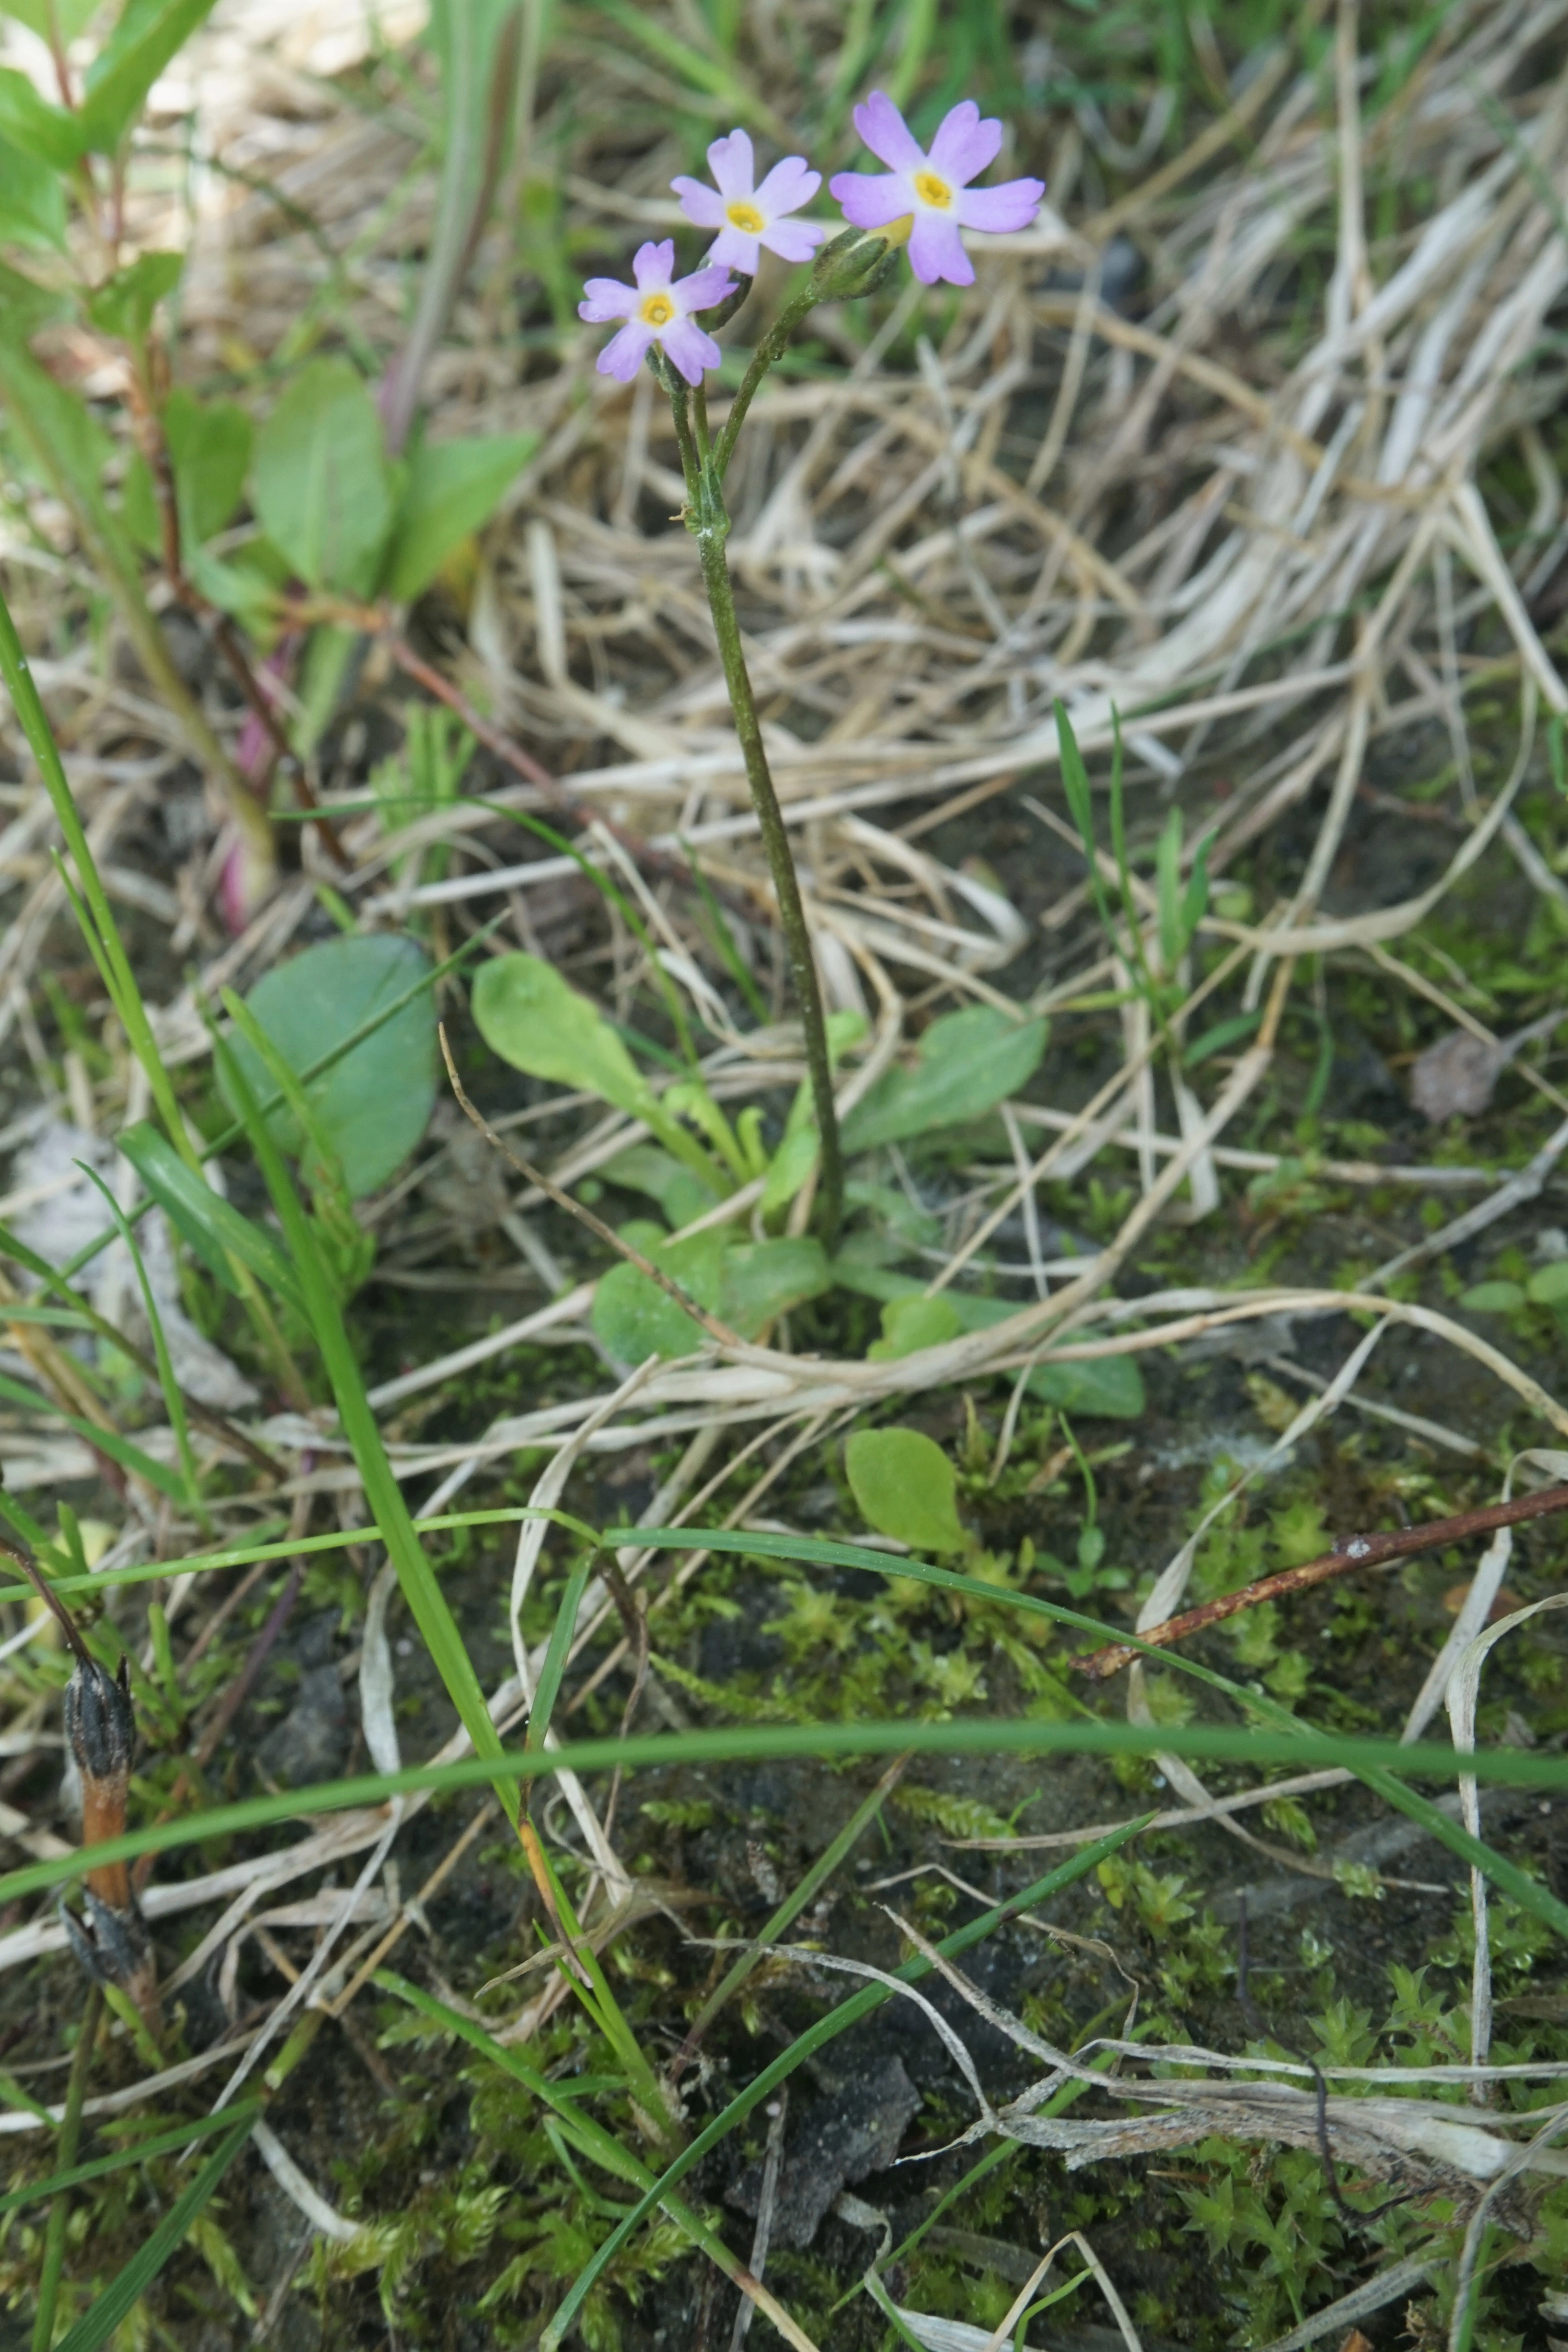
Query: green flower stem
{"type": "Point", "coordinates": [70, 2133]}
{"type": "Point", "coordinates": [708, 520]}
{"type": "Point", "coordinates": [710, 526]}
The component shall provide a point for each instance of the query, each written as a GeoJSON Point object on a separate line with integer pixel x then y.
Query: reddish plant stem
{"type": "Point", "coordinates": [1350, 1554]}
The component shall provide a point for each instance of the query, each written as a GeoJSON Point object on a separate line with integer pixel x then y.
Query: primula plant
{"type": "Point", "coordinates": [923, 202]}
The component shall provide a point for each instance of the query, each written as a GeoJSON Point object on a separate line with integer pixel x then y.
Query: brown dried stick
{"type": "Point", "coordinates": [596, 1226]}
{"type": "Point", "coordinates": [1353, 1552]}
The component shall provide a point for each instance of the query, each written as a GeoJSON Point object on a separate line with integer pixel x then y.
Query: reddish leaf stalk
{"type": "Point", "coordinates": [1350, 1553]}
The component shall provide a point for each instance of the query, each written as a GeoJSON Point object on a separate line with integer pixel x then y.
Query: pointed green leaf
{"type": "Point", "coordinates": [214, 1228]}
{"type": "Point", "coordinates": [32, 200]}
{"type": "Point", "coordinates": [453, 487]}
{"type": "Point", "coordinates": [149, 35]}
{"type": "Point", "coordinates": [966, 1063]}
{"type": "Point", "coordinates": [28, 122]}
{"type": "Point", "coordinates": [124, 306]}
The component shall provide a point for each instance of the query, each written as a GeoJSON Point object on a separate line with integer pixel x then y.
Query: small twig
{"type": "Point", "coordinates": [1350, 1553]}
{"type": "Point", "coordinates": [596, 1226]}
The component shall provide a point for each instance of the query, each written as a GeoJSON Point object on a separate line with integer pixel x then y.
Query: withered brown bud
{"type": "Point", "coordinates": [101, 1729]}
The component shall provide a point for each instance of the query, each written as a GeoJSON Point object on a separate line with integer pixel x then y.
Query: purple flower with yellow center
{"type": "Point", "coordinates": [931, 193]}
{"type": "Point", "coordinates": [658, 310]}
{"type": "Point", "coordinates": [748, 217]}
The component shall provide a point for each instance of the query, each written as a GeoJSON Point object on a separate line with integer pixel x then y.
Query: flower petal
{"type": "Point", "coordinates": [873, 199]}
{"type": "Point", "coordinates": [689, 349]}
{"type": "Point", "coordinates": [965, 145]}
{"type": "Point", "coordinates": [887, 134]}
{"type": "Point", "coordinates": [699, 203]}
{"type": "Point", "coordinates": [788, 185]}
{"type": "Point", "coordinates": [936, 251]}
{"type": "Point", "coordinates": [608, 299]}
{"type": "Point", "coordinates": [1012, 205]}
{"type": "Point", "coordinates": [623, 355]}
{"type": "Point", "coordinates": [652, 265]}
{"type": "Point", "coordinates": [733, 250]}
{"type": "Point", "coordinates": [732, 164]}
{"type": "Point", "coordinates": [702, 289]}
{"type": "Point", "coordinates": [793, 240]}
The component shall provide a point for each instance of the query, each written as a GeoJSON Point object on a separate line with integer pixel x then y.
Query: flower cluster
{"type": "Point", "coordinates": [924, 200]}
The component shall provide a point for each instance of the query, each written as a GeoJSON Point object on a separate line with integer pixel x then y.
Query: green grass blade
{"type": "Point", "coordinates": [173, 1401]}
{"type": "Point", "coordinates": [199, 1564]}
{"type": "Point", "coordinates": [162, 2144]}
{"type": "Point", "coordinates": [592, 2141]}
{"type": "Point", "coordinates": [806, 2045]}
{"type": "Point", "coordinates": [119, 2299]}
{"type": "Point", "coordinates": [394, 1521]}
{"type": "Point", "coordinates": [102, 933]}
{"type": "Point", "coordinates": [106, 1441]}
{"type": "Point", "coordinates": [795, 1902]}
{"type": "Point", "coordinates": [1254, 1745]}
{"type": "Point", "coordinates": [548, 1687]}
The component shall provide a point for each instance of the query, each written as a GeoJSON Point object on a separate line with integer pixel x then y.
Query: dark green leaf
{"type": "Point", "coordinates": [966, 1063]}
{"type": "Point", "coordinates": [148, 35]}
{"type": "Point", "coordinates": [371, 1106]}
{"type": "Point", "coordinates": [453, 489]}
{"type": "Point", "coordinates": [324, 488]}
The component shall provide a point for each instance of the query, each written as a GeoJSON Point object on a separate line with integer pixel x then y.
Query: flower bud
{"type": "Point", "coordinates": [856, 263]}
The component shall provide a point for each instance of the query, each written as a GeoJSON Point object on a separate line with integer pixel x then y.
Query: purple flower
{"type": "Point", "coordinates": [657, 309]}
{"type": "Point", "coordinates": [748, 218]}
{"type": "Point", "coordinates": [931, 192]}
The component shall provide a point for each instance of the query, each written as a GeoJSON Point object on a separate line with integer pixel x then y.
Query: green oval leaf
{"type": "Point", "coordinates": [966, 1063]}
{"type": "Point", "coordinates": [1112, 1386]}
{"type": "Point", "coordinates": [1493, 1299]}
{"type": "Point", "coordinates": [322, 486]}
{"type": "Point", "coordinates": [904, 1484]}
{"type": "Point", "coordinates": [526, 1012]}
{"type": "Point", "coordinates": [1548, 1286]}
{"type": "Point", "coordinates": [912, 1323]}
{"type": "Point", "coordinates": [371, 1106]}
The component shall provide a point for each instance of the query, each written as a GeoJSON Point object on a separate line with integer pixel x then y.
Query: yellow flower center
{"type": "Point", "coordinates": [656, 310]}
{"type": "Point", "coordinates": [932, 191]}
{"type": "Point", "coordinates": [746, 218]}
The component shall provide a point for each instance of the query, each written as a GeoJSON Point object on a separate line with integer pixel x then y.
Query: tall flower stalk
{"type": "Point", "coordinates": [923, 202]}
